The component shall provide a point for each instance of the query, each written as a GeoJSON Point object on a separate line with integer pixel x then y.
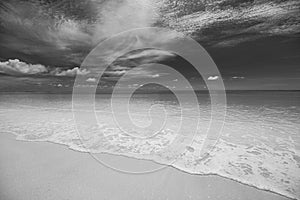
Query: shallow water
{"type": "Point", "coordinates": [259, 143]}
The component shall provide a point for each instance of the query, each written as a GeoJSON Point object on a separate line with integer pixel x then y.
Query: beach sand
{"type": "Point", "coordinates": [41, 170]}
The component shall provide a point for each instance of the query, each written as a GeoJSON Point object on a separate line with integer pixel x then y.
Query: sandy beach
{"type": "Point", "coordinates": [41, 170]}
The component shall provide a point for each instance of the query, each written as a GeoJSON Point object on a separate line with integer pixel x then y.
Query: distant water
{"type": "Point", "coordinates": [259, 145]}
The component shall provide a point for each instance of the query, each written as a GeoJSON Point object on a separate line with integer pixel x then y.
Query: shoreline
{"type": "Point", "coordinates": [163, 166]}
{"type": "Point", "coordinates": [64, 150]}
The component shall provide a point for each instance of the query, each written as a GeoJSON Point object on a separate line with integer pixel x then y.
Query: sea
{"type": "Point", "coordinates": [259, 144]}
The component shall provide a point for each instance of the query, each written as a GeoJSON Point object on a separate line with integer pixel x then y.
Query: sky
{"type": "Point", "coordinates": [254, 43]}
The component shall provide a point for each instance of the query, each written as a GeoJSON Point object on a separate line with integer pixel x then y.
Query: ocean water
{"type": "Point", "coordinates": [259, 144]}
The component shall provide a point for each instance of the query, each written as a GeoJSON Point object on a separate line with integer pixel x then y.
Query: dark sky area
{"type": "Point", "coordinates": [254, 43]}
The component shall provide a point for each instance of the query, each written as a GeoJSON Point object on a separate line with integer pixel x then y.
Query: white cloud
{"type": "Point", "coordinates": [238, 77]}
{"type": "Point", "coordinates": [137, 72]}
{"type": "Point", "coordinates": [91, 80]}
{"type": "Point", "coordinates": [150, 55]}
{"type": "Point", "coordinates": [119, 16]}
{"type": "Point", "coordinates": [155, 76]}
{"type": "Point", "coordinates": [213, 78]}
{"type": "Point", "coordinates": [117, 73]}
{"type": "Point", "coordinates": [135, 85]}
{"type": "Point", "coordinates": [69, 72]}
{"type": "Point", "coordinates": [15, 67]}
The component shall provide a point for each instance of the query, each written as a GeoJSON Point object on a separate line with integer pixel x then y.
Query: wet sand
{"type": "Point", "coordinates": [41, 170]}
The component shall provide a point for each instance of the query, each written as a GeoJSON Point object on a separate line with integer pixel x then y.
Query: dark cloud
{"type": "Point", "coordinates": [246, 38]}
{"type": "Point", "coordinates": [229, 22]}
{"type": "Point", "coordinates": [63, 32]}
